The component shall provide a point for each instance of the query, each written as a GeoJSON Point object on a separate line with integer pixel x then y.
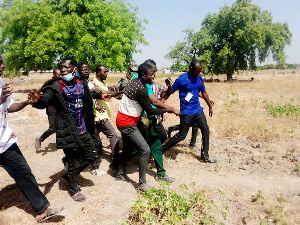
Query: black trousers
{"type": "Point", "coordinates": [78, 159]}
{"type": "Point", "coordinates": [186, 121]}
{"type": "Point", "coordinates": [51, 130]}
{"type": "Point", "coordinates": [15, 164]}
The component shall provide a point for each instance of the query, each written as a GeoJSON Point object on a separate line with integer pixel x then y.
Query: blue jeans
{"type": "Point", "coordinates": [186, 121]}
{"type": "Point", "coordinates": [15, 164]}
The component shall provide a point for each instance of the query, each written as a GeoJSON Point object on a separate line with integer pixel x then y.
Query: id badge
{"type": "Point", "coordinates": [188, 96]}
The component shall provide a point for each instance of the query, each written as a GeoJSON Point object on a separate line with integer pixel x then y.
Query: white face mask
{"type": "Point", "coordinates": [69, 76]}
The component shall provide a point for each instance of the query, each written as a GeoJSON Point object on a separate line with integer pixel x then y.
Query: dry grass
{"type": "Point", "coordinates": [240, 107]}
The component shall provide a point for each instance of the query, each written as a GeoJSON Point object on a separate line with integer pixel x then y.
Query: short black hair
{"type": "Point", "coordinates": [71, 59]}
{"type": "Point", "coordinates": [194, 63]}
{"type": "Point", "coordinates": [150, 61]}
{"type": "Point", "coordinates": [143, 69]}
{"type": "Point", "coordinates": [81, 64]}
{"type": "Point", "coordinates": [98, 68]}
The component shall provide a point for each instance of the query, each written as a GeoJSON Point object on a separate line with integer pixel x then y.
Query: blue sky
{"type": "Point", "coordinates": [168, 18]}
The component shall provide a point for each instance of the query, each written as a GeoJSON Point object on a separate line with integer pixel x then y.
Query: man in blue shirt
{"type": "Point", "coordinates": [190, 85]}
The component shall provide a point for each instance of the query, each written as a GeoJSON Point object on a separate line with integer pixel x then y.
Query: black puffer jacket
{"type": "Point", "coordinates": [67, 135]}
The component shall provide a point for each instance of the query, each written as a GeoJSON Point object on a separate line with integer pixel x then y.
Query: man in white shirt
{"type": "Point", "coordinates": [11, 158]}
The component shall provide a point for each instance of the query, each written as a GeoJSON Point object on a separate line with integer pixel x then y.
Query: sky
{"type": "Point", "coordinates": [167, 19]}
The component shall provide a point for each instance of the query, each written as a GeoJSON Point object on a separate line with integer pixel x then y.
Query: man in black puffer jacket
{"type": "Point", "coordinates": [75, 120]}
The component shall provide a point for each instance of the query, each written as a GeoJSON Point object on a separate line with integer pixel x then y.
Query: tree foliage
{"type": "Point", "coordinates": [35, 35]}
{"type": "Point", "coordinates": [234, 39]}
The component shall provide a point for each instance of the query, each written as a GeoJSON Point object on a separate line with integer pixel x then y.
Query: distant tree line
{"type": "Point", "coordinates": [234, 39]}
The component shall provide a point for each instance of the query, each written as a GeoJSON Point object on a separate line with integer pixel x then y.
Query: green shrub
{"type": "Point", "coordinates": [165, 206]}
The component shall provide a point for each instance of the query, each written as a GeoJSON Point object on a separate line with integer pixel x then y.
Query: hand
{"type": "Point", "coordinates": [34, 96]}
{"type": "Point", "coordinates": [100, 108]}
{"type": "Point", "coordinates": [177, 112]}
{"type": "Point", "coordinates": [6, 91]}
{"type": "Point", "coordinates": [168, 81]}
{"type": "Point", "coordinates": [96, 90]}
{"type": "Point", "coordinates": [170, 109]}
{"type": "Point", "coordinates": [114, 88]}
{"type": "Point", "coordinates": [210, 111]}
{"type": "Point", "coordinates": [106, 97]}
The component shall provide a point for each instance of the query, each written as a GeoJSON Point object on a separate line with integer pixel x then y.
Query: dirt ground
{"type": "Point", "coordinates": [244, 169]}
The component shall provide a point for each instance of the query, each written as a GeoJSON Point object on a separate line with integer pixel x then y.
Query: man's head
{"type": "Point", "coordinates": [101, 72]}
{"type": "Point", "coordinates": [2, 66]}
{"type": "Point", "coordinates": [68, 68]}
{"type": "Point", "coordinates": [146, 73]}
{"type": "Point", "coordinates": [153, 64]}
{"type": "Point", "coordinates": [56, 73]}
{"type": "Point", "coordinates": [84, 70]}
{"type": "Point", "coordinates": [195, 68]}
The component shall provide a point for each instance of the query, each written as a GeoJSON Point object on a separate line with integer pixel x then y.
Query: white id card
{"type": "Point", "coordinates": [188, 96]}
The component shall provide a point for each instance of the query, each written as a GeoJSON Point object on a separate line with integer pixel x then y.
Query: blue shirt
{"type": "Point", "coordinates": [73, 96]}
{"type": "Point", "coordinates": [189, 89]}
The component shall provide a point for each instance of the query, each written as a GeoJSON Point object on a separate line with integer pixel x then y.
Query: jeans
{"type": "Point", "coordinates": [134, 139]}
{"type": "Point", "coordinates": [51, 129]}
{"type": "Point", "coordinates": [186, 121]}
{"type": "Point", "coordinates": [15, 164]}
{"type": "Point", "coordinates": [78, 159]}
{"type": "Point", "coordinates": [106, 127]}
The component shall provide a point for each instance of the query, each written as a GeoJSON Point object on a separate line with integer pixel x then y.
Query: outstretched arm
{"type": "Point", "coordinates": [15, 107]}
{"type": "Point", "coordinates": [208, 102]}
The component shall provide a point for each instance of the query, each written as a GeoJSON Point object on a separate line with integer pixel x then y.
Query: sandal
{"type": "Point", "coordinates": [50, 213]}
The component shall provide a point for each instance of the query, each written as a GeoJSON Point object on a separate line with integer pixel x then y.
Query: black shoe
{"type": "Point", "coordinates": [208, 160]}
{"type": "Point", "coordinates": [192, 145]}
{"type": "Point", "coordinates": [122, 177]}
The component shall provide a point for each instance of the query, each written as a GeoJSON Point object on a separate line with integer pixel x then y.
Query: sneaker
{"type": "Point", "coordinates": [142, 187]}
{"type": "Point", "coordinates": [166, 178]}
{"type": "Point", "coordinates": [98, 172]}
{"type": "Point", "coordinates": [208, 160]}
{"type": "Point", "coordinates": [78, 197]}
{"type": "Point", "coordinates": [37, 144]}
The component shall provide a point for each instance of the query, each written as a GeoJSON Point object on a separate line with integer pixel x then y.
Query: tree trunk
{"type": "Point", "coordinates": [229, 76]}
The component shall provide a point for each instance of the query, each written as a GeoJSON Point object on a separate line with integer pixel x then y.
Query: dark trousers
{"type": "Point", "coordinates": [186, 121]}
{"type": "Point", "coordinates": [132, 138]}
{"type": "Point", "coordinates": [194, 133]}
{"type": "Point", "coordinates": [15, 164]}
{"type": "Point", "coordinates": [78, 159]}
{"type": "Point", "coordinates": [106, 127]}
{"type": "Point", "coordinates": [161, 132]}
{"type": "Point", "coordinates": [51, 129]}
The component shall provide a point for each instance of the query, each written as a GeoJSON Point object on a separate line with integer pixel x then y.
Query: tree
{"type": "Point", "coordinates": [35, 35]}
{"type": "Point", "coordinates": [234, 39]}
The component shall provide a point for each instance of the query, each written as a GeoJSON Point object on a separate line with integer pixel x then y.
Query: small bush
{"type": "Point", "coordinates": [165, 206]}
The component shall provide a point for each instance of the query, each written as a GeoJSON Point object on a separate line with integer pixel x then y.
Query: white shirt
{"type": "Point", "coordinates": [7, 136]}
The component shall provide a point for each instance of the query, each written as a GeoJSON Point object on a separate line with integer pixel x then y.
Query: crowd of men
{"type": "Point", "coordinates": [78, 110]}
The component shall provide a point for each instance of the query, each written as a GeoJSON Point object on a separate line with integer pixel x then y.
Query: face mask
{"type": "Point", "coordinates": [68, 77]}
